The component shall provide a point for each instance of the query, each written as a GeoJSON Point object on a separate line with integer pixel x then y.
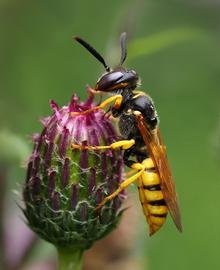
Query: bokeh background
{"type": "Point", "coordinates": [174, 46]}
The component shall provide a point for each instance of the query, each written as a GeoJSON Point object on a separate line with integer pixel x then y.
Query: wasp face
{"type": "Point", "coordinates": [116, 80]}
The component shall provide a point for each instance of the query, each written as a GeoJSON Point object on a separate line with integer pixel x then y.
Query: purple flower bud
{"type": "Point", "coordinates": [64, 185]}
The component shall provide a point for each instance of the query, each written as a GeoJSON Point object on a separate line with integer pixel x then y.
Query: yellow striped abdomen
{"type": "Point", "coordinates": [151, 197]}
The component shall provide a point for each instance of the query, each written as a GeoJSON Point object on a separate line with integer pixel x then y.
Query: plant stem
{"type": "Point", "coordinates": [70, 259]}
{"type": "Point", "coordinates": [2, 189]}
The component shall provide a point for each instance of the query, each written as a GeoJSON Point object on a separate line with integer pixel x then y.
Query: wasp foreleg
{"type": "Point", "coordinates": [118, 101]}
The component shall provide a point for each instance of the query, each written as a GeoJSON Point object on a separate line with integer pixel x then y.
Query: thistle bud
{"type": "Point", "coordinates": [64, 185]}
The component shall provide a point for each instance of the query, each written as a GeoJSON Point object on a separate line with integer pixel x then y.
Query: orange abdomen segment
{"type": "Point", "coordinates": [151, 197]}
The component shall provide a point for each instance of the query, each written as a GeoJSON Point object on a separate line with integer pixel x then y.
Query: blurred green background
{"type": "Point", "coordinates": [174, 46]}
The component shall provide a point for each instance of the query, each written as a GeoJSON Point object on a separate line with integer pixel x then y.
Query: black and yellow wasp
{"type": "Point", "coordinates": [138, 125]}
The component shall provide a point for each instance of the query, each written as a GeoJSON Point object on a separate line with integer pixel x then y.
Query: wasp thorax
{"type": "Point", "coordinates": [117, 79]}
{"type": "Point", "coordinates": [64, 185]}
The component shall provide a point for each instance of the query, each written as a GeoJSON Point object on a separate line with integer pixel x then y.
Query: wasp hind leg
{"type": "Point", "coordinates": [136, 167]}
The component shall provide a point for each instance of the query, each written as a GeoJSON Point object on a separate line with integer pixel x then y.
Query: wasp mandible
{"type": "Point", "coordinates": [139, 127]}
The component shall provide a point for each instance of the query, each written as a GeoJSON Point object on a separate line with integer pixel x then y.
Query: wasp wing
{"type": "Point", "coordinates": [157, 151]}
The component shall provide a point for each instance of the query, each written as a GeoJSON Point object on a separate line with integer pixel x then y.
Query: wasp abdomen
{"type": "Point", "coordinates": [151, 197]}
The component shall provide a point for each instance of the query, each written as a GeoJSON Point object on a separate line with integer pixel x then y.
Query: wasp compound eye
{"type": "Point", "coordinates": [64, 185]}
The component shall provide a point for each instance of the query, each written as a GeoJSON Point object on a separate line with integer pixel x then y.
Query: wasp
{"type": "Point", "coordinates": [144, 150]}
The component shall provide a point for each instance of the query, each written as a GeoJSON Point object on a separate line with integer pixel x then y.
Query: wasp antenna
{"type": "Point", "coordinates": [123, 47]}
{"type": "Point", "coordinates": [89, 48]}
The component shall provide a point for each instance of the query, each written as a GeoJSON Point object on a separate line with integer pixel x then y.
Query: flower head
{"type": "Point", "coordinates": [64, 185]}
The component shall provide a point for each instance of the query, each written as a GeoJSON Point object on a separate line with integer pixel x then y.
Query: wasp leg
{"type": "Point", "coordinates": [140, 154]}
{"type": "Point", "coordinates": [124, 144]}
{"type": "Point", "coordinates": [125, 183]}
{"type": "Point", "coordinates": [118, 101]}
{"type": "Point", "coordinates": [130, 172]}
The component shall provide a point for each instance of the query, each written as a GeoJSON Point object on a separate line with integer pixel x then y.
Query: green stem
{"type": "Point", "coordinates": [2, 188]}
{"type": "Point", "coordinates": [70, 259]}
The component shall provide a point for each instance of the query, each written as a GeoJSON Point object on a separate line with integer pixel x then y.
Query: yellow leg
{"type": "Point", "coordinates": [117, 98]}
{"type": "Point", "coordinates": [125, 144]}
{"type": "Point", "coordinates": [130, 172]}
{"type": "Point", "coordinates": [124, 184]}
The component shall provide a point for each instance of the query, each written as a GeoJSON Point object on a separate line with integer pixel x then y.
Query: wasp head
{"type": "Point", "coordinates": [118, 79]}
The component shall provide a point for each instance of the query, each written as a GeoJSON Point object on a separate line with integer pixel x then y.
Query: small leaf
{"type": "Point", "coordinates": [13, 148]}
{"type": "Point", "coordinates": [160, 41]}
